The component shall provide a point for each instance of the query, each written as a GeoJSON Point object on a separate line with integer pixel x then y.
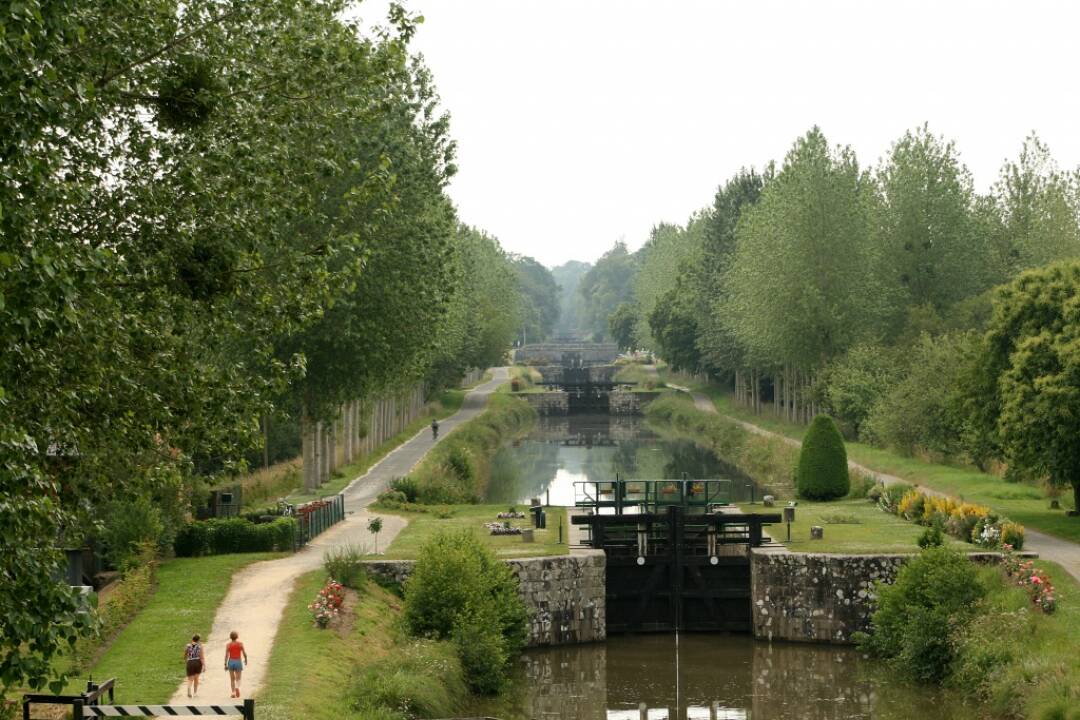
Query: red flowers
{"type": "Point", "coordinates": [1031, 578]}
{"type": "Point", "coordinates": [327, 603]}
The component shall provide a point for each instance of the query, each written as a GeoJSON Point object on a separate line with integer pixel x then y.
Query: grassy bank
{"type": "Point", "coordinates": [145, 656]}
{"type": "Point", "coordinates": [424, 525]}
{"type": "Point", "coordinates": [1023, 503]}
{"type": "Point", "coordinates": [363, 667]}
{"type": "Point", "coordinates": [643, 376]}
{"type": "Point", "coordinates": [448, 403]}
{"type": "Point", "coordinates": [457, 470]}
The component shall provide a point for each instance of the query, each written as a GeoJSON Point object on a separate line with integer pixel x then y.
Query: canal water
{"type": "Point", "coordinates": [561, 451]}
{"type": "Point", "coordinates": [694, 676]}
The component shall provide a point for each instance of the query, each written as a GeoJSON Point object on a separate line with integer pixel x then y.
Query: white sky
{"type": "Point", "coordinates": [580, 122]}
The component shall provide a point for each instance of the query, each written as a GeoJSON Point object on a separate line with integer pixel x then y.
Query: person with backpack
{"type": "Point", "coordinates": [193, 659]}
{"type": "Point", "coordinates": [434, 428]}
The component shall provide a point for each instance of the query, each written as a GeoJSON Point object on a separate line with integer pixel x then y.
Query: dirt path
{"type": "Point", "coordinates": [1064, 552]}
{"type": "Point", "coordinates": [258, 594]}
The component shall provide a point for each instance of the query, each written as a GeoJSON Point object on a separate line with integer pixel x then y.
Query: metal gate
{"type": "Point", "coordinates": [674, 570]}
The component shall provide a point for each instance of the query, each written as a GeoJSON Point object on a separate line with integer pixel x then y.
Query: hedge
{"type": "Point", "coordinates": [823, 469]}
{"type": "Point", "coordinates": [221, 536]}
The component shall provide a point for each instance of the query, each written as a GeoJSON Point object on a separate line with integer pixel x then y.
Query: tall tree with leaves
{"type": "Point", "coordinates": [608, 284]}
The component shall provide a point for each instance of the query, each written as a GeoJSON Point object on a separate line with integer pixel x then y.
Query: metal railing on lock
{"type": "Point", "coordinates": [623, 496]}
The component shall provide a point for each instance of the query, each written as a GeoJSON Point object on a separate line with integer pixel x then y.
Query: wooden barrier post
{"type": "Point", "coordinates": [249, 709]}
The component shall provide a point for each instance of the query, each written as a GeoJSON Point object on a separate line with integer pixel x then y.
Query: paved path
{"type": "Point", "coordinates": [258, 594]}
{"type": "Point", "coordinates": [1064, 552]}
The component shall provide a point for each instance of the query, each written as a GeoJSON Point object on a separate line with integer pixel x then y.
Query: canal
{"type": "Point", "coordinates": [695, 676]}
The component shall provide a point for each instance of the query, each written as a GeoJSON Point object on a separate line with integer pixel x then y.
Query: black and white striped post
{"type": "Point", "coordinates": [81, 712]}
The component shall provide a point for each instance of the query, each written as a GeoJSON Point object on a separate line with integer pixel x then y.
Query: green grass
{"type": "Point", "coordinates": [449, 402]}
{"type": "Point", "coordinates": [423, 525]}
{"type": "Point", "coordinates": [1023, 503]}
{"type": "Point", "coordinates": [851, 526]}
{"type": "Point", "coordinates": [145, 656]}
{"type": "Point", "coordinates": [636, 373]}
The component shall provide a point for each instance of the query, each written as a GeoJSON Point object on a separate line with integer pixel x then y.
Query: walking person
{"type": "Point", "coordinates": [233, 652]}
{"type": "Point", "coordinates": [193, 659]}
{"type": "Point", "coordinates": [434, 429]}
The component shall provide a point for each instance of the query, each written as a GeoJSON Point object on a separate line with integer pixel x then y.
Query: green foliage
{"type": "Point", "coordinates": [423, 679]}
{"type": "Point", "coordinates": [917, 619]}
{"type": "Point", "coordinates": [407, 486]}
{"type": "Point", "coordinates": [460, 590]}
{"type": "Point", "coordinates": [127, 527]}
{"type": "Point", "coordinates": [345, 564]}
{"type": "Point", "coordinates": [458, 468]}
{"type": "Point", "coordinates": [540, 298]}
{"type": "Point", "coordinates": [622, 325]}
{"type": "Point", "coordinates": [931, 537]}
{"type": "Point", "coordinates": [1022, 394]}
{"type": "Point", "coordinates": [571, 322]}
{"type": "Point", "coordinates": [221, 536]}
{"type": "Point", "coordinates": [608, 284]}
{"type": "Point", "coordinates": [823, 472]}
{"type": "Point", "coordinates": [856, 382]}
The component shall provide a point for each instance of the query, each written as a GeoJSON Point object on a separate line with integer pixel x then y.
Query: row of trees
{"type": "Point", "coordinates": [820, 284]}
{"type": "Point", "coordinates": [210, 212]}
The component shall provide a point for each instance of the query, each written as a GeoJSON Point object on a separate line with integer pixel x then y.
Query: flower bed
{"type": "Point", "coordinates": [504, 528]}
{"type": "Point", "coordinates": [327, 603]}
{"type": "Point", "coordinates": [1038, 585]}
{"type": "Point", "coordinates": [964, 521]}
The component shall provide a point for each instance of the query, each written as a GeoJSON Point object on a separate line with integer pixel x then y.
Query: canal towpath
{"type": "Point", "coordinates": [257, 595]}
{"type": "Point", "coordinates": [1064, 552]}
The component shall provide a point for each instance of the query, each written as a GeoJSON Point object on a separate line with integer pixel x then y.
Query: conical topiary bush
{"type": "Point", "coordinates": [823, 470]}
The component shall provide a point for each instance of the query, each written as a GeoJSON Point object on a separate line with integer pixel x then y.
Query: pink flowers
{"type": "Point", "coordinates": [1031, 578]}
{"type": "Point", "coordinates": [327, 603]}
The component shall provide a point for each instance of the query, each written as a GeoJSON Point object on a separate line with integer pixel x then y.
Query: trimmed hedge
{"type": "Point", "coordinates": [823, 469]}
{"type": "Point", "coordinates": [221, 536]}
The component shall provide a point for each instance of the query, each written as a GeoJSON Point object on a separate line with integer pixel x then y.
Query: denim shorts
{"type": "Point", "coordinates": [236, 665]}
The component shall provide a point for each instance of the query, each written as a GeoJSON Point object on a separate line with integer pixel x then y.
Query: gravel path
{"type": "Point", "coordinates": [1064, 552]}
{"type": "Point", "coordinates": [258, 594]}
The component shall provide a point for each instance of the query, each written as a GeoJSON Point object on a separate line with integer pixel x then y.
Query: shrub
{"type": "Point", "coordinates": [862, 485]}
{"type": "Point", "coordinates": [1012, 534]}
{"type": "Point", "coordinates": [823, 470]}
{"type": "Point", "coordinates": [345, 564]}
{"type": "Point", "coordinates": [917, 619]}
{"type": "Point", "coordinates": [931, 537]}
{"type": "Point", "coordinates": [221, 536]}
{"type": "Point", "coordinates": [457, 577]}
{"type": "Point", "coordinates": [407, 486]}
{"type": "Point", "coordinates": [128, 525]}
{"type": "Point", "coordinates": [911, 505]}
{"type": "Point", "coordinates": [392, 499]}
{"type": "Point", "coordinates": [423, 679]}
{"type": "Point", "coordinates": [891, 495]}
{"type": "Point", "coordinates": [482, 650]}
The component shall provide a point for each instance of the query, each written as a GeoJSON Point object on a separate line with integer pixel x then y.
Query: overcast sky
{"type": "Point", "coordinates": [580, 122]}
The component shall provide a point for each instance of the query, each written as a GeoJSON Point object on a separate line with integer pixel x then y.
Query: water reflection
{"type": "Point", "coordinates": [716, 677]}
{"type": "Point", "coordinates": [563, 450]}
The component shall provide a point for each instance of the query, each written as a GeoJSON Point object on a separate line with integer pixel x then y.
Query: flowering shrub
{"type": "Point", "coordinates": [964, 521]}
{"type": "Point", "coordinates": [1038, 585]}
{"type": "Point", "coordinates": [327, 603]}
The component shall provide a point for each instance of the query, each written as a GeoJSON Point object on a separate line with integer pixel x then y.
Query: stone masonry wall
{"type": "Point", "coordinates": [564, 594]}
{"type": "Point", "coordinates": [624, 402]}
{"type": "Point", "coordinates": [547, 403]}
{"type": "Point", "coordinates": [815, 598]}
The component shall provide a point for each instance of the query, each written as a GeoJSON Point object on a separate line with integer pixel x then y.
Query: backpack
{"type": "Point", "coordinates": [194, 651]}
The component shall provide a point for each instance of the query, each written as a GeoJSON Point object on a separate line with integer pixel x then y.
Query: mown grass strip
{"type": "Point", "coordinates": [424, 525]}
{"type": "Point", "coordinates": [146, 657]}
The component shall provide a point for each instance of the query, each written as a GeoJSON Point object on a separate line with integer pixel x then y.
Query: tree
{"type": "Point", "coordinates": [823, 471]}
{"type": "Point", "coordinates": [930, 238]}
{"type": "Point", "coordinates": [1025, 392]}
{"type": "Point", "coordinates": [540, 297]}
{"type": "Point", "coordinates": [675, 329]}
{"type": "Point", "coordinates": [607, 284]}
{"type": "Point", "coordinates": [568, 276]}
{"type": "Point", "coordinates": [623, 324]}
{"type": "Point", "coordinates": [374, 527]}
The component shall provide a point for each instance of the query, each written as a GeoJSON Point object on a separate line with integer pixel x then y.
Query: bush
{"type": "Point", "coordinates": [931, 537]}
{"type": "Point", "coordinates": [345, 564]}
{"type": "Point", "coordinates": [127, 526]}
{"type": "Point", "coordinates": [422, 680]}
{"type": "Point", "coordinates": [221, 536]}
{"type": "Point", "coordinates": [917, 619]}
{"type": "Point", "coordinates": [891, 495]}
{"type": "Point", "coordinates": [862, 485]}
{"type": "Point", "coordinates": [823, 469]}
{"type": "Point", "coordinates": [456, 580]}
{"type": "Point", "coordinates": [482, 650]}
{"type": "Point", "coordinates": [407, 486]}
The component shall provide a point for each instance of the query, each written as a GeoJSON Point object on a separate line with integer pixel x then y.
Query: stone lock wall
{"type": "Point", "coordinates": [547, 403]}
{"type": "Point", "coordinates": [565, 594]}
{"type": "Point", "coordinates": [624, 402]}
{"type": "Point", "coordinates": [815, 598]}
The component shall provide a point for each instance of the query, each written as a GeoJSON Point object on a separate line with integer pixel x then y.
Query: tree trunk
{"type": "Point", "coordinates": [1076, 498]}
{"type": "Point", "coordinates": [307, 450]}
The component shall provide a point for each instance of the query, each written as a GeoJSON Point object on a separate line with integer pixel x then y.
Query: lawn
{"type": "Point", "coordinates": [449, 402]}
{"type": "Point", "coordinates": [1023, 503]}
{"type": "Point", "coordinates": [423, 525]}
{"type": "Point", "coordinates": [145, 656]}
{"type": "Point", "coordinates": [854, 526]}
